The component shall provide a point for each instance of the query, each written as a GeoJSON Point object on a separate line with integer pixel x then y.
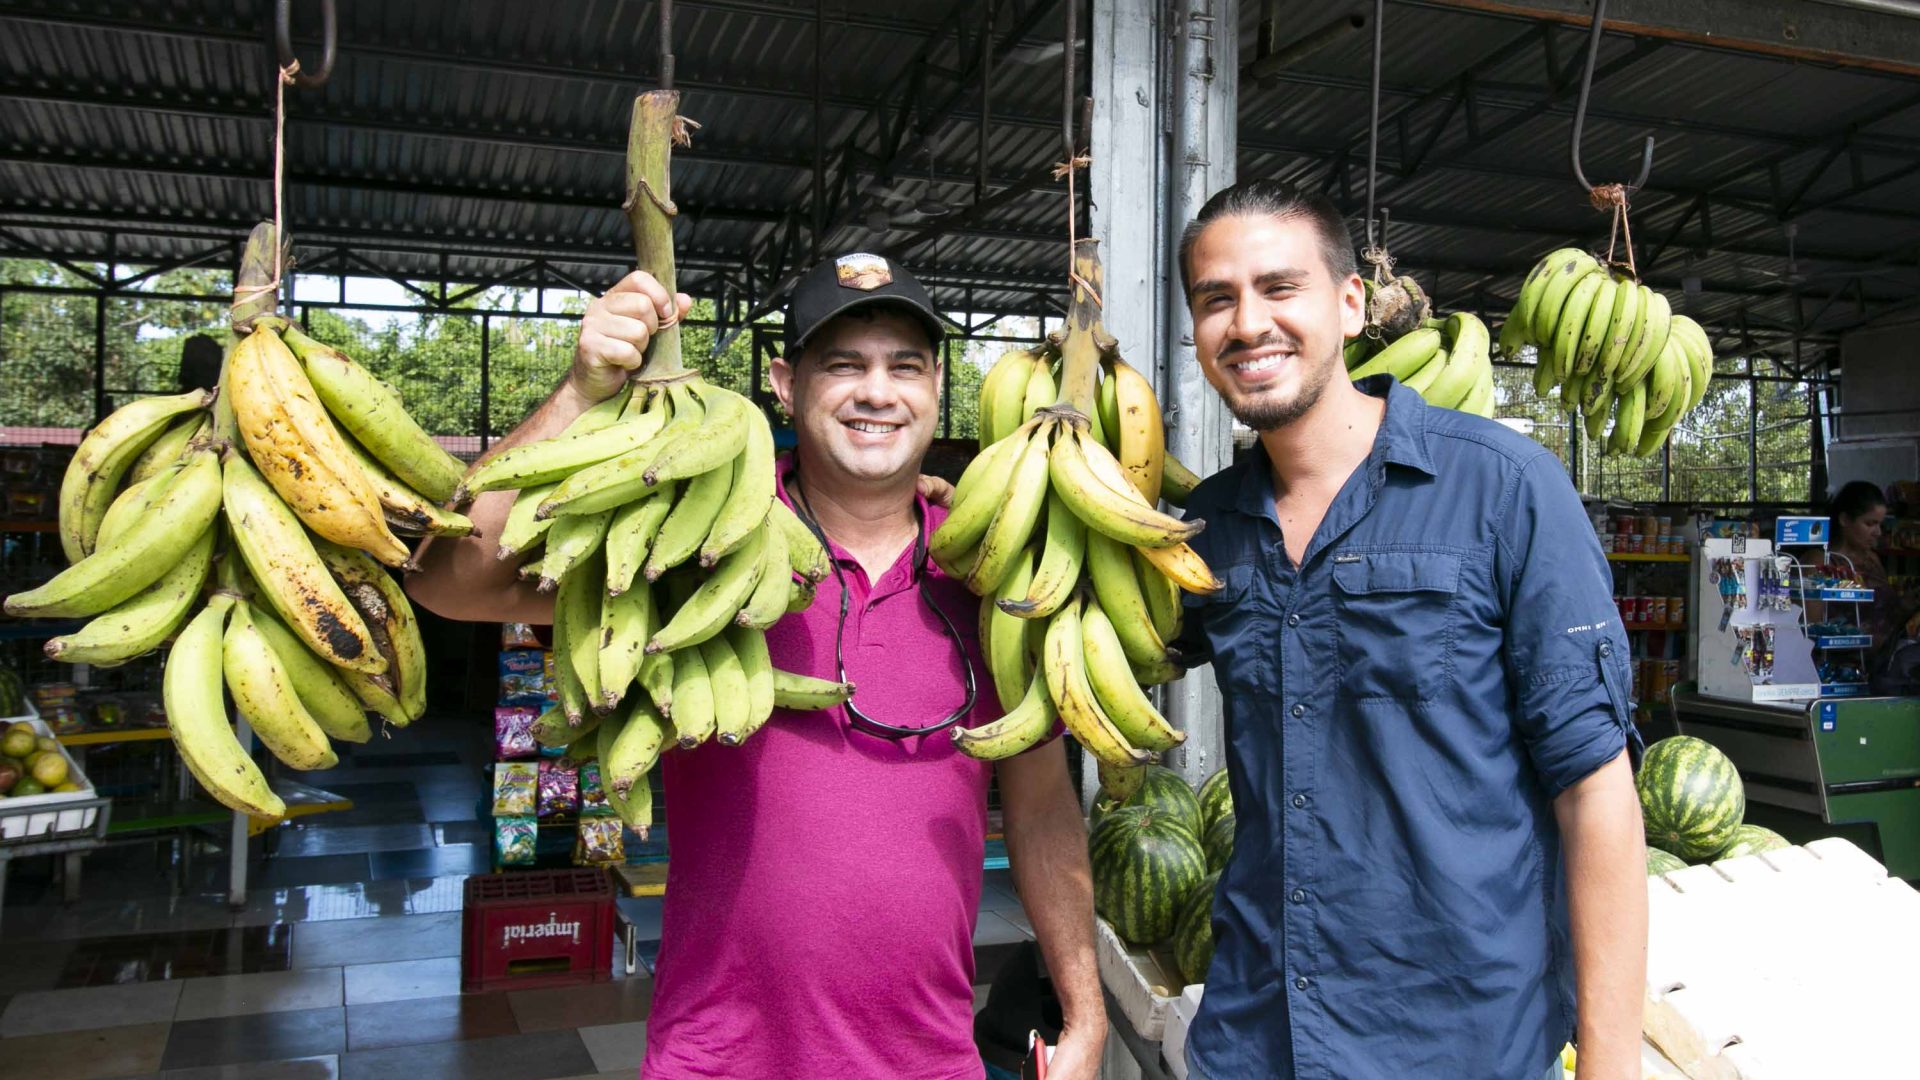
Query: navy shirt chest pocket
{"type": "Point", "coordinates": [1396, 620]}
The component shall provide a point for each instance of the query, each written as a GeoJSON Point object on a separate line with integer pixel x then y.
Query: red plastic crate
{"type": "Point", "coordinates": [536, 928]}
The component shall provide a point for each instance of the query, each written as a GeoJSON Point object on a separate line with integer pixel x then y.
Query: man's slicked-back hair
{"type": "Point", "coordinates": [1274, 198]}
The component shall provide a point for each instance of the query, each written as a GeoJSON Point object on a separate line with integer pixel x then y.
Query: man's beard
{"type": "Point", "coordinates": [1262, 414]}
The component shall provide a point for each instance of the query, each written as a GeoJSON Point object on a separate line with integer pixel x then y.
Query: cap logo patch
{"type": "Point", "coordinates": [862, 271]}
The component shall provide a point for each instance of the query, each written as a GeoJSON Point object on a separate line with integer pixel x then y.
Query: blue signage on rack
{"type": "Point", "coordinates": [1789, 531]}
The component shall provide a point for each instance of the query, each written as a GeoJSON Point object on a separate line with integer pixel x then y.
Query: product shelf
{"type": "Point", "coordinates": [1645, 557]}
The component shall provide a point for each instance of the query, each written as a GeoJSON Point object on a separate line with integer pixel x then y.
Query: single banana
{"type": "Point", "coordinates": [1118, 783]}
{"type": "Point", "coordinates": [1424, 378]}
{"type": "Point", "coordinates": [689, 522]}
{"type": "Point", "coordinates": [1466, 354]}
{"type": "Point", "coordinates": [408, 511]}
{"type": "Point", "coordinates": [293, 442]}
{"type": "Point", "coordinates": [1594, 336]}
{"type": "Point", "coordinates": [804, 551]}
{"type": "Point", "coordinates": [319, 687]}
{"type": "Point", "coordinates": [630, 535]}
{"type": "Point", "coordinates": [1407, 354]}
{"type": "Point", "coordinates": [1042, 388]}
{"type": "Point", "coordinates": [1517, 331]}
{"type": "Point", "coordinates": [977, 497]}
{"type": "Point", "coordinates": [264, 694]}
{"type": "Point", "coordinates": [136, 500]}
{"type": "Point", "coordinates": [732, 711]}
{"type": "Point", "coordinates": [656, 678]}
{"type": "Point", "coordinates": [1665, 378]}
{"type": "Point", "coordinates": [1162, 595]}
{"type": "Point", "coordinates": [1142, 432]}
{"type": "Point", "coordinates": [750, 647]}
{"type": "Point", "coordinates": [197, 718]}
{"type": "Point", "coordinates": [597, 435]}
{"type": "Point", "coordinates": [383, 604]}
{"type": "Point", "coordinates": [1571, 393]}
{"type": "Point", "coordinates": [1005, 540]}
{"type": "Point", "coordinates": [635, 750]}
{"type": "Point", "coordinates": [372, 412]}
{"type": "Point", "coordinates": [1110, 565]}
{"type": "Point", "coordinates": [140, 624]}
{"type": "Point", "coordinates": [574, 539]}
{"type": "Point", "coordinates": [1572, 324]}
{"type": "Point", "coordinates": [1659, 326]}
{"type": "Point", "coordinates": [1120, 512]}
{"type": "Point", "coordinates": [713, 606]}
{"type": "Point", "coordinates": [801, 596]}
{"type": "Point", "coordinates": [993, 399]}
{"type": "Point", "coordinates": [1064, 663]}
{"type": "Point", "coordinates": [722, 435]}
{"type": "Point", "coordinates": [1023, 727]}
{"type": "Point", "coordinates": [1567, 268]}
{"type": "Point", "coordinates": [1596, 414]}
{"type": "Point", "coordinates": [168, 450]}
{"type": "Point", "coordinates": [1177, 481]}
{"type": "Point", "coordinates": [804, 693]}
{"type": "Point", "coordinates": [767, 604]}
{"type": "Point", "coordinates": [1004, 637]}
{"type": "Point", "coordinates": [103, 459]}
{"type": "Point", "coordinates": [1062, 557]}
{"type": "Point", "coordinates": [1184, 567]}
{"type": "Point", "coordinates": [1629, 315]}
{"type": "Point", "coordinates": [1698, 350]}
{"type": "Point", "coordinates": [376, 696]}
{"type": "Point", "coordinates": [576, 639]}
{"type": "Point", "coordinates": [749, 498]}
{"type": "Point", "coordinates": [1658, 427]}
{"type": "Point", "coordinates": [1120, 697]}
{"type": "Point", "coordinates": [621, 479]}
{"type": "Point", "coordinates": [1104, 418]}
{"type": "Point", "coordinates": [1629, 418]}
{"type": "Point", "coordinates": [524, 530]}
{"type": "Point", "coordinates": [694, 709]}
{"type": "Point", "coordinates": [551, 728]}
{"type": "Point", "coordinates": [1480, 400]}
{"type": "Point", "coordinates": [152, 546]}
{"type": "Point", "coordinates": [626, 622]}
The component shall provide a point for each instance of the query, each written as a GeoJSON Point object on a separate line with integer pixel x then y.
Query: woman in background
{"type": "Point", "coordinates": [1858, 511]}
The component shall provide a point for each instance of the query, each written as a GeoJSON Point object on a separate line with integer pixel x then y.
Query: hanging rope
{"type": "Point", "coordinates": [1066, 169]}
{"type": "Point", "coordinates": [1614, 197]}
{"type": "Point", "coordinates": [244, 293]}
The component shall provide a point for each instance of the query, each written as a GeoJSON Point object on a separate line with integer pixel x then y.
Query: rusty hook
{"type": "Point", "coordinates": [283, 41]}
{"type": "Point", "coordinates": [1580, 110]}
{"type": "Point", "coordinates": [666, 44]}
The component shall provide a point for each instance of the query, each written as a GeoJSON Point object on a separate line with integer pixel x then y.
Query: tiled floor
{"type": "Point", "coordinates": [342, 965]}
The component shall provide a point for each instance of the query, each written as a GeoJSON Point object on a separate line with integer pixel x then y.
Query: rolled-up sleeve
{"type": "Point", "coordinates": [1566, 653]}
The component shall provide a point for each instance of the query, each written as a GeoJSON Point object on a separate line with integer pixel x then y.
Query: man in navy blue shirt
{"type": "Point", "coordinates": [1439, 848]}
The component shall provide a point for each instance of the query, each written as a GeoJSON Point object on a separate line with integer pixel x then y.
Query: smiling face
{"type": "Point", "coordinates": [864, 395]}
{"type": "Point", "coordinates": [1269, 318]}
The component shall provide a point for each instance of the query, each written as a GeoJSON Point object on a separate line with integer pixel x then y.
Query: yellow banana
{"type": "Point", "coordinates": [1013, 523]}
{"type": "Point", "coordinates": [372, 412]}
{"type": "Point", "coordinates": [1061, 559]}
{"type": "Point", "coordinates": [1004, 637]}
{"type": "Point", "coordinates": [689, 521]}
{"type": "Point", "coordinates": [376, 695]}
{"type": "Point", "coordinates": [1022, 727]}
{"type": "Point", "coordinates": [713, 606]}
{"type": "Point", "coordinates": [805, 693]}
{"type": "Point", "coordinates": [1126, 705]}
{"type": "Point", "coordinates": [197, 718]}
{"type": "Point", "coordinates": [1184, 567]}
{"type": "Point", "coordinates": [1141, 431]}
{"type": "Point", "coordinates": [104, 457]}
{"type": "Point", "coordinates": [694, 709]}
{"type": "Point", "coordinates": [319, 687]}
{"type": "Point", "coordinates": [264, 694]}
{"type": "Point", "coordinates": [1110, 565]}
{"type": "Point", "coordinates": [1077, 464]}
{"type": "Point", "coordinates": [750, 496]}
{"type": "Point", "coordinates": [140, 624]}
{"type": "Point", "coordinates": [1064, 663]}
{"type": "Point", "coordinates": [630, 535]}
{"type": "Point", "coordinates": [152, 546]}
{"type": "Point", "coordinates": [293, 441]}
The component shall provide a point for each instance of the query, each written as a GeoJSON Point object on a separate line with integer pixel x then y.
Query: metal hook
{"type": "Point", "coordinates": [283, 41]}
{"type": "Point", "coordinates": [666, 44]}
{"type": "Point", "coordinates": [1373, 128]}
{"type": "Point", "coordinates": [1580, 110]}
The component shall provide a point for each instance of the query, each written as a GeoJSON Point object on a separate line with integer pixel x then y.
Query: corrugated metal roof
{"type": "Point", "coordinates": [494, 129]}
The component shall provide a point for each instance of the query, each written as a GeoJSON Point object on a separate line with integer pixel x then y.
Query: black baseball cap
{"type": "Point", "coordinates": [839, 285]}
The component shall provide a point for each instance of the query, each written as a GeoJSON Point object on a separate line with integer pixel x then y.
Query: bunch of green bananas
{"type": "Point", "coordinates": [653, 520]}
{"type": "Point", "coordinates": [1446, 361]}
{"type": "Point", "coordinates": [1054, 524]}
{"type": "Point", "coordinates": [1613, 347]}
{"type": "Point", "coordinates": [244, 535]}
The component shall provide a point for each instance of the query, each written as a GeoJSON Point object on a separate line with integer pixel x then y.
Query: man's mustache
{"type": "Point", "coordinates": [1235, 346]}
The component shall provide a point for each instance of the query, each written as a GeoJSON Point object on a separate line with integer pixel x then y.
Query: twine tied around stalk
{"type": "Point", "coordinates": [1381, 262]}
{"type": "Point", "coordinates": [1066, 169]}
{"type": "Point", "coordinates": [244, 293]}
{"type": "Point", "coordinates": [1614, 197]}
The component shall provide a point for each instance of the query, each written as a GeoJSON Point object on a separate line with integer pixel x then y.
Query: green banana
{"type": "Point", "coordinates": [383, 604]}
{"type": "Point", "coordinates": [1572, 323]}
{"type": "Point", "coordinates": [408, 512]}
{"type": "Point", "coordinates": [750, 647]}
{"type": "Point", "coordinates": [1408, 354]}
{"type": "Point", "coordinates": [689, 521]}
{"type": "Point", "coordinates": [804, 551]}
{"type": "Point", "coordinates": [1665, 378]}
{"type": "Point", "coordinates": [100, 462]}
{"type": "Point", "coordinates": [1467, 352]}
{"type": "Point", "coordinates": [372, 413]}
{"type": "Point", "coordinates": [1629, 418]}
{"type": "Point", "coordinates": [621, 479]}
{"type": "Point", "coordinates": [166, 451]}
{"type": "Point", "coordinates": [137, 499]}
{"type": "Point", "coordinates": [1567, 267]}
{"type": "Point", "coordinates": [524, 530]}
{"type": "Point", "coordinates": [1424, 378]}
{"type": "Point", "coordinates": [551, 728]}
{"type": "Point", "coordinates": [774, 591]}
{"type": "Point", "coordinates": [750, 496]}
{"type": "Point", "coordinates": [713, 605]}
{"type": "Point", "coordinates": [1162, 595]}
{"type": "Point", "coordinates": [626, 622]}
{"type": "Point", "coordinates": [721, 436]}
{"type": "Point", "coordinates": [1013, 523]}
{"type": "Point", "coordinates": [144, 621]}
{"type": "Point", "coordinates": [977, 498]}
{"type": "Point", "coordinates": [575, 538]}
{"type": "Point", "coordinates": [576, 639]}
{"type": "Point", "coordinates": [805, 693]}
{"type": "Point", "coordinates": [1117, 587]}
{"type": "Point", "coordinates": [694, 710]}
{"type": "Point", "coordinates": [1629, 315]}
{"type": "Point", "coordinates": [1593, 337]}
{"type": "Point", "coordinates": [1004, 637]}
{"type": "Point", "coordinates": [1021, 728]}
{"type": "Point", "coordinates": [730, 690]}
{"type": "Point", "coordinates": [635, 749]}
{"type": "Point", "coordinates": [1659, 326]}
{"type": "Point", "coordinates": [630, 534]}
{"type": "Point", "coordinates": [597, 435]}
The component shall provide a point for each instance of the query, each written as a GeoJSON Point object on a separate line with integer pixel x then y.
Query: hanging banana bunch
{"type": "Point", "coordinates": [1613, 347]}
{"type": "Point", "coordinates": [653, 521]}
{"type": "Point", "coordinates": [245, 525]}
{"type": "Point", "coordinates": [1054, 524]}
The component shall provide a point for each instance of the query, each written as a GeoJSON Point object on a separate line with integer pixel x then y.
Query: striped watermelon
{"type": "Point", "coordinates": [1193, 932]}
{"type": "Point", "coordinates": [1690, 796]}
{"type": "Point", "coordinates": [1663, 862]}
{"type": "Point", "coordinates": [1752, 840]}
{"type": "Point", "coordinates": [1164, 789]}
{"type": "Point", "coordinates": [1145, 864]}
{"type": "Point", "coordinates": [1218, 842]}
{"type": "Point", "coordinates": [1216, 799]}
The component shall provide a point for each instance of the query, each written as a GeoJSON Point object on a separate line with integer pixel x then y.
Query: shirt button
{"type": "Point", "coordinates": [1293, 620]}
{"type": "Point", "coordinates": [1298, 896]}
{"type": "Point", "coordinates": [1299, 802]}
{"type": "Point", "coordinates": [1606, 649]}
{"type": "Point", "coordinates": [1299, 711]}
{"type": "Point", "coordinates": [1301, 983]}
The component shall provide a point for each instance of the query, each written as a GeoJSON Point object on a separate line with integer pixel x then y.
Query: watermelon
{"type": "Point", "coordinates": [1218, 843]}
{"type": "Point", "coordinates": [1216, 800]}
{"type": "Point", "coordinates": [1193, 932]}
{"type": "Point", "coordinates": [1146, 863]}
{"type": "Point", "coordinates": [1690, 797]}
{"type": "Point", "coordinates": [1663, 862]}
{"type": "Point", "coordinates": [1162, 788]}
{"type": "Point", "coordinates": [13, 693]}
{"type": "Point", "coordinates": [1752, 840]}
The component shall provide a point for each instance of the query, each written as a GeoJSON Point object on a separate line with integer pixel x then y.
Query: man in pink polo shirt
{"type": "Point", "coordinates": [826, 874]}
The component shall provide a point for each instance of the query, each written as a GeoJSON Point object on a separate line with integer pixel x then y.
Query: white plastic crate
{"type": "Point", "coordinates": [54, 814]}
{"type": "Point", "coordinates": [1144, 990]}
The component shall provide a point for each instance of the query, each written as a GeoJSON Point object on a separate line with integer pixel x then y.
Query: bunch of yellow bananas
{"type": "Point", "coordinates": [1446, 361]}
{"type": "Point", "coordinates": [244, 536]}
{"type": "Point", "coordinates": [1054, 524]}
{"type": "Point", "coordinates": [1613, 347]}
